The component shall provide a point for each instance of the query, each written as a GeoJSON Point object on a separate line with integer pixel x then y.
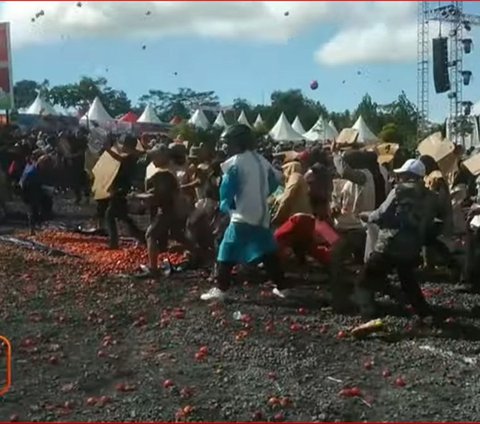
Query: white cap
{"type": "Point", "coordinates": [413, 166]}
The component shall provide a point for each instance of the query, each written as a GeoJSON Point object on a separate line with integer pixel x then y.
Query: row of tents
{"type": "Point", "coordinates": [282, 131]}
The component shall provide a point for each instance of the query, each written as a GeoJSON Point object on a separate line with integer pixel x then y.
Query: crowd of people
{"type": "Point", "coordinates": [242, 203]}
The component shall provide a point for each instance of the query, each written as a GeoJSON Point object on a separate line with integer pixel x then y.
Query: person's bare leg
{"type": "Point", "coordinates": [152, 255]}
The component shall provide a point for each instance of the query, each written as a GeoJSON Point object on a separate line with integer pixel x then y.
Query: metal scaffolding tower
{"type": "Point", "coordinates": [423, 53]}
{"type": "Point", "coordinates": [451, 14]}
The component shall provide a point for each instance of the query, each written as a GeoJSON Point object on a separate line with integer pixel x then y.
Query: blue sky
{"type": "Point", "coordinates": [226, 50]}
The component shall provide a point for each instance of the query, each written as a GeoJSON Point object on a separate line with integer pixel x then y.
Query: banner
{"type": "Point", "coordinates": [6, 83]}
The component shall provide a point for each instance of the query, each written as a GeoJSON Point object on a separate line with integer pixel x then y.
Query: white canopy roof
{"type": "Point", "coordinates": [283, 131]}
{"type": "Point", "coordinates": [199, 120]}
{"type": "Point", "coordinates": [242, 119]}
{"type": "Point", "coordinates": [220, 121]}
{"type": "Point", "coordinates": [259, 122]}
{"type": "Point", "coordinates": [321, 132]}
{"type": "Point", "coordinates": [149, 116]}
{"type": "Point", "coordinates": [365, 134]}
{"type": "Point", "coordinates": [476, 109]}
{"type": "Point", "coordinates": [333, 127]}
{"type": "Point", "coordinates": [97, 113]}
{"type": "Point", "coordinates": [41, 107]}
{"type": "Point", "coordinates": [297, 125]}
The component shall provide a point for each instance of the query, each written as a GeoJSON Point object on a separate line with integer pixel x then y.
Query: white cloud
{"type": "Point", "coordinates": [365, 31]}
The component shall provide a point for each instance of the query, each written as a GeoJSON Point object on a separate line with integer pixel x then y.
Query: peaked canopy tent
{"type": "Point", "coordinates": [297, 125]}
{"type": "Point", "coordinates": [149, 116]}
{"type": "Point", "coordinates": [282, 131]}
{"type": "Point", "coordinates": [199, 120]}
{"type": "Point", "coordinates": [333, 127]}
{"type": "Point", "coordinates": [365, 134]}
{"type": "Point", "coordinates": [259, 123]}
{"type": "Point", "coordinates": [129, 118]}
{"type": "Point", "coordinates": [97, 113]}
{"type": "Point", "coordinates": [321, 132]}
{"type": "Point", "coordinates": [41, 107]}
{"type": "Point", "coordinates": [242, 119]}
{"type": "Point", "coordinates": [220, 121]}
{"type": "Point", "coordinates": [476, 109]}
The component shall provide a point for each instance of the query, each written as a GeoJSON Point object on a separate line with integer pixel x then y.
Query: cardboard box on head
{"type": "Point", "coordinates": [386, 152]}
{"type": "Point", "coordinates": [347, 138]}
{"type": "Point", "coordinates": [440, 149]}
{"type": "Point", "coordinates": [473, 164]}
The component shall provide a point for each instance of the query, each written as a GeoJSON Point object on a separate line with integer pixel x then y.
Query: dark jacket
{"type": "Point", "coordinates": [404, 220]}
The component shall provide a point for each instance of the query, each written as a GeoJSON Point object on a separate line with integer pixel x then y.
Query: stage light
{"type": "Point", "coordinates": [467, 45]}
{"type": "Point", "coordinates": [466, 75]}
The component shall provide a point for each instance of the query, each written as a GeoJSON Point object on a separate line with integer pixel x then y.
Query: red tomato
{"type": "Point", "coordinates": [341, 334]}
{"type": "Point", "coordinates": [400, 382]}
{"type": "Point", "coordinates": [199, 356]}
{"type": "Point", "coordinates": [386, 373]}
{"type": "Point", "coordinates": [91, 401]}
{"type": "Point", "coordinates": [53, 360]}
{"type": "Point", "coordinates": [368, 365]}
{"type": "Point", "coordinates": [203, 350]}
{"type": "Point", "coordinates": [257, 416]}
{"type": "Point", "coordinates": [168, 384]}
{"type": "Point", "coordinates": [352, 392]}
{"type": "Point", "coordinates": [295, 327]}
{"type": "Point", "coordinates": [273, 402]}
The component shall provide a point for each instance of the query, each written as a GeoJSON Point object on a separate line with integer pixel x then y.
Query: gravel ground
{"type": "Point", "coordinates": [122, 349]}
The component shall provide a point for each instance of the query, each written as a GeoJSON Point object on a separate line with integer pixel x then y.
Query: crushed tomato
{"type": "Point", "coordinates": [97, 260]}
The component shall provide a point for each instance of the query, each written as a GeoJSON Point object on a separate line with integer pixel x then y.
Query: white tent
{"type": "Point", "coordinates": [199, 120]}
{"type": "Point", "coordinates": [242, 119]}
{"type": "Point", "coordinates": [283, 131]}
{"type": "Point", "coordinates": [476, 109]}
{"type": "Point", "coordinates": [220, 121]}
{"type": "Point", "coordinates": [259, 122]}
{"type": "Point", "coordinates": [333, 127]}
{"type": "Point", "coordinates": [321, 132]}
{"type": "Point", "coordinates": [149, 116]}
{"type": "Point", "coordinates": [365, 134]}
{"type": "Point", "coordinates": [97, 113]}
{"type": "Point", "coordinates": [41, 107]}
{"type": "Point", "coordinates": [297, 125]}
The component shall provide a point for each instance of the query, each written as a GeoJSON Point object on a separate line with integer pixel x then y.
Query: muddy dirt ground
{"type": "Point", "coordinates": [131, 350]}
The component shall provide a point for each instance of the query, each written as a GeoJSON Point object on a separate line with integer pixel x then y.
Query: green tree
{"type": "Point", "coordinates": [390, 134]}
{"type": "Point", "coordinates": [25, 92]}
{"type": "Point", "coordinates": [293, 103]}
{"type": "Point", "coordinates": [404, 114]}
{"type": "Point", "coordinates": [182, 104]}
{"type": "Point", "coordinates": [80, 95]}
{"type": "Point", "coordinates": [371, 113]}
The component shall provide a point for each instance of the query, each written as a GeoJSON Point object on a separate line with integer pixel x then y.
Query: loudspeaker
{"type": "Point", "coordinates": [440, 65]}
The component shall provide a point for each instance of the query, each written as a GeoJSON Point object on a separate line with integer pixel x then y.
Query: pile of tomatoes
{"type": "Point", "coordinates": [97, 260]}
